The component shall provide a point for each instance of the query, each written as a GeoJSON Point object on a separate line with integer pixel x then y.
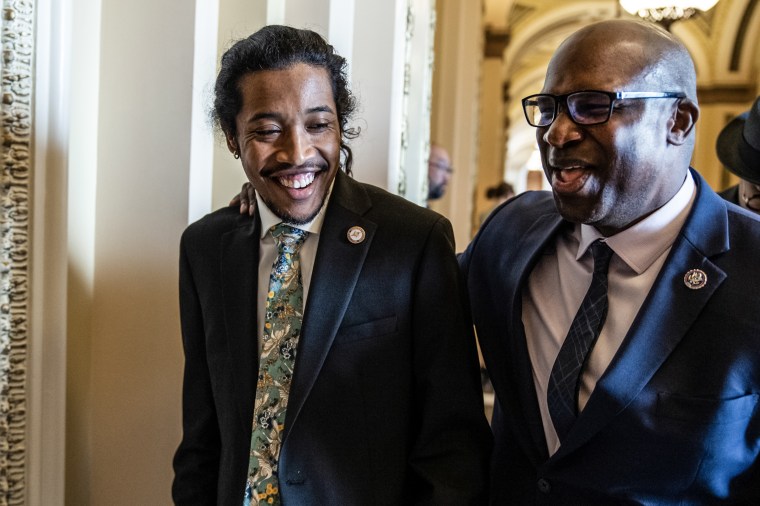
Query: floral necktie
{"type": "Point", "coordinates": [282, 328]}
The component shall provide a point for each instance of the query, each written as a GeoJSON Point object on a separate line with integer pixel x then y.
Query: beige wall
{"type": "Point", "coordinates": [124, 356]}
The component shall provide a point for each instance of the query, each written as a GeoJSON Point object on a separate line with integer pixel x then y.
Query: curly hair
{"type": "Point", "coordinates": [277, 47]}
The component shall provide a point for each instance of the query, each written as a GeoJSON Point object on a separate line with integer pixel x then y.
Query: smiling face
{"type": "Point", "coordinates": [288, 138]}
{"type": "Point", "coordinates": [613, 174]}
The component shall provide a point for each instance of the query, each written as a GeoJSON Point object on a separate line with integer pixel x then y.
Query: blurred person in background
{"type": "Point", "coordinates": [738, 149]}
{"type": "Point", "coordinates": [439, 171]}
{"type": "Point", "coordinates": [499, 194]}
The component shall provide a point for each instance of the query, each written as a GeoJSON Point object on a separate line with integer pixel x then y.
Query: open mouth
{"type": "Point", "coordinates": [297, 181]}
{"type": "Point", "coordinates": [569, 174]}
{"type": "Point", "coordinates": [570, 178]}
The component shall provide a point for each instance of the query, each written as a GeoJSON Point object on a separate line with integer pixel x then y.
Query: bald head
{"type": "Point", "coordinates": [635, 51]}
{"type": "Point", "coordinates": [439, 171]}
{"type": "Point", "coordinates": [613, 173]}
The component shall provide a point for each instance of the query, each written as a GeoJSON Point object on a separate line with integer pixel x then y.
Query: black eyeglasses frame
{"type": "Point", "coordinates": [613, 96]}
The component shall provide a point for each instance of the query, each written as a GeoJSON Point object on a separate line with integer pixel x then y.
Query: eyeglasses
{"type": "Point", "coordinates": [587, 107]}
{"type": "Point", "coordinates": [442, 166]}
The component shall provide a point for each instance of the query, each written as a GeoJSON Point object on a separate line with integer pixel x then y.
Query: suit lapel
{"type": "Point", "coordinates": [239, 278]}
{"type": "Point", "coordinates": [663, 320]}
{"type": "Point", "coordinates": [517, 270]}
{"type": "Point", "coordinates": [336, 271]}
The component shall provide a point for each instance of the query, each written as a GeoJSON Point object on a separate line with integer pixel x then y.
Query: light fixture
{"type": "Point", "coordinates": [665, 12]}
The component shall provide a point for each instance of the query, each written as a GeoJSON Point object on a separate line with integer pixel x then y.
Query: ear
{"type": "Point", "coordinates": [232, 144]}
{"type": "Point", "coordinates": [681, 124]}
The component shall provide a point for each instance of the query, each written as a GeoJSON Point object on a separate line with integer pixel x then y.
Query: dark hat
{"type": "Point", "coordinates": [739, 144]}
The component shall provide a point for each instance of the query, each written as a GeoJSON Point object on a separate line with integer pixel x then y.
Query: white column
{"type": "Point", "coordinates": [46, 371]}
{"type": "Point", "coordinates": [311, 14]}
{"type": "Point", "coordinates": [378, 73]}
{"type": "Point", "coordinates": [417, 96]}
{"type": "Point", "coordinates": [340, 30]}
{"type": "Point", "coordinates": [202, 143]}
{"type": "Point", "coordinates": [237, 19]}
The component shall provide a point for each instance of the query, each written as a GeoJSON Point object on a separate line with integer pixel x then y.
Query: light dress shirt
{"type": "Point", "coordinates": [268, 254]}
{"type": "Point", "coordinates": [557, 285]}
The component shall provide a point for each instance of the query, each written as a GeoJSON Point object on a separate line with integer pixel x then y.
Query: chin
{"type": "Point", "coordinates": [572, 209]}
{"type": "Point", "coordinates": [294, 217]}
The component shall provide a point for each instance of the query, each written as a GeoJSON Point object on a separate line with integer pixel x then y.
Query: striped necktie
{"type": "Point", "coordinates": [564, 381]}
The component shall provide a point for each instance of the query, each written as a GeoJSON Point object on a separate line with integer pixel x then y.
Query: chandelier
{"type": "Point", "coordinates": [665, 12]}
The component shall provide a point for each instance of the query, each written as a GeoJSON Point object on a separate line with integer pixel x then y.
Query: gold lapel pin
{"type": "Point", "coordinates": [695, 279]}
{"type": "Point", "coordinates": [356, 234]}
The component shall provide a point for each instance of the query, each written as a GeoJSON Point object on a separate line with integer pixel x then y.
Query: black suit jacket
{"type": "Point", "coordinates": [731, 194]}
{"type": "Point", "coordinates": [674, 418]}
{"type": "Point", "coordinates": [385, 406]}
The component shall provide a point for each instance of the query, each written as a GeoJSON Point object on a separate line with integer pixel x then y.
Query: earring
{"type": "Point", "coordinates": [236, 155]}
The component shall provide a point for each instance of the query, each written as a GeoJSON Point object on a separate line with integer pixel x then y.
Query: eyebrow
{"type": "Point", "coordinates": [276, 116]}
{"type": "Point", "coordinates": [320, 108]}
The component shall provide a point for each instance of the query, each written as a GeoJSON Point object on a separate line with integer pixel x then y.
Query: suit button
{"type": "Point", "coordinates": [544, 486]}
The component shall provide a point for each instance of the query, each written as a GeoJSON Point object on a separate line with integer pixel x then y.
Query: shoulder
{"type": "Point", "coordinates": [506, 227]}
{"type": "Point", "coordinates": [731, 194]}
{"type": "Point", "coordinates": [210, 229]}
{"type": "Point", "coordinates": [729, 235]}
{"type": "Point", "coordinates": [388, 210]}
{"type": "Point", "coordinates": [519, 213]}
{"type": "Point", "coordinates": [744, 228]}
{"type": "Point", "coordinates": [712, 213]}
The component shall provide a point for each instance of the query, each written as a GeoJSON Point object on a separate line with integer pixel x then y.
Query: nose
{"type": "Point", "coordinates": [562, 131]}
{"type": "Point", "coordinates": [294, 147]}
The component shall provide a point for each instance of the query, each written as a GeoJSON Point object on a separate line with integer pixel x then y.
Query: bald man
{"type": "Point", "coordinates": [618, 314]}
{"type": "Point", "coordinates": [439, 171]}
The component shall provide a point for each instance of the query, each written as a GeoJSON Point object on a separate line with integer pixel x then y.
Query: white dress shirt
{"type": "Point", "coordinates": [557, 285]}
{"type": "Point", "coordinates": [268, 254]}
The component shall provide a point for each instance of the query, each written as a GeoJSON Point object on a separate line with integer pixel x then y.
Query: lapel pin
{"type": "Point", "coordinates": [356, 234]}
{"type": "Point", "coordinates": [695, 279]}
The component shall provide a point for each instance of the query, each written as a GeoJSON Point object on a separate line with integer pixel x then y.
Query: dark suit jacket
{"type": "Point", "coordinates": [731, 194]}
{"type": "Point", "coordinates": [674, 419]}
{"type": "Point", "coordinates": [385, 406]}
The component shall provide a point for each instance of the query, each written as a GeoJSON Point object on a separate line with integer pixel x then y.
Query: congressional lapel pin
{"type": "Point", "coordinates": [356, 234]}
{"type": "Point", "coordinates": [695, 279]}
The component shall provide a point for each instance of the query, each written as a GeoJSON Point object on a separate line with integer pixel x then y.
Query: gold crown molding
{"type": "Point", "coordinates": [16, 111]}
{"type": "Point", "coordinates": [496, 41]}
{"type": "Point", "coordinates": [727, 94]}
{"type": "Point", "coordinates": [741, 35]}
{"type": "Point", "coordinates": [518, 13]}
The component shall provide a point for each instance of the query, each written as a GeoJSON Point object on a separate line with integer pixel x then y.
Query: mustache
{"type": "Point", "coordinates": [557, 162]}
{"type": "Point", "coordinates": [313, 165]}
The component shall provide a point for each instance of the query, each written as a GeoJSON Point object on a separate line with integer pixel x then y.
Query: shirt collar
{"type": "Point", "coordinates": [643, 243]}
{"type": "Point", "coordinates": [269, 219]}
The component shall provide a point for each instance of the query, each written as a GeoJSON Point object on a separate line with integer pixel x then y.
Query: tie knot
{"type": "Point", "coordinates": [289, 239]}
{"type": "Point", "coordinates": [602, 255]}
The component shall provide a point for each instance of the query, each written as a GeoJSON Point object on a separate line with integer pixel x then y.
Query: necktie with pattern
{"type": "Point", "coordinates": [564, 381]}
{"type": "Point", "coordinates": [282, 328]}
